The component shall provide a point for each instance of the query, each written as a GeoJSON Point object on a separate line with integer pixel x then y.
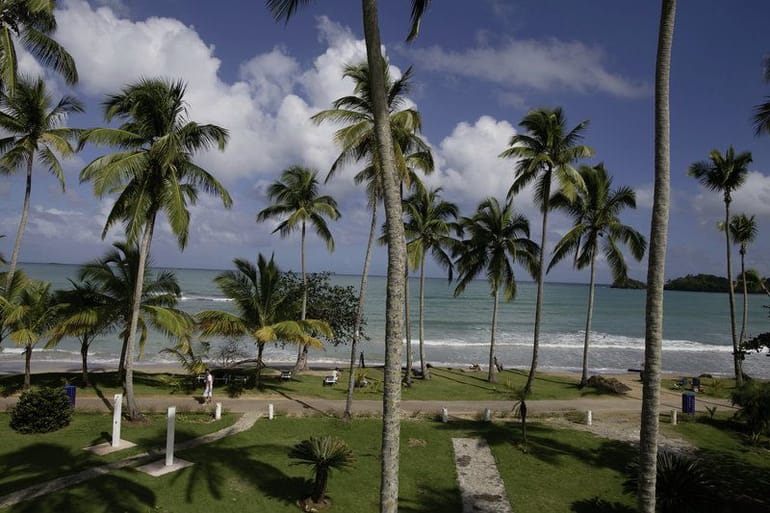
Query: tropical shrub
{"type": "Point", "coordinates": [753, 398]}
{"type": "Point", "coordinates": [323, 454]}
{"type": "Point", "coordinates": [682, 484]}
{"type": "Point", "coordinates": [41, 411]}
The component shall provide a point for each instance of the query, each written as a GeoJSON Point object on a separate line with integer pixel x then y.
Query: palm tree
{"type": "Point", "coordinates": [153, 173]}
{"type": "Point", "coordinates": [427, 227]}
{"type": "Point", "coordinates": [762, 111]}
{"type": "Point", "coordinates": [743, 230]}
{"type": "Point", "coordinates": [394, 324]}
{"type": "Point", "coordinates": [595, 212]}
{"type": "Point", "coordinates": [28, 312]}
{"type": "Point", "coordinates": [498, 237]}
{"type": "Point", "coordinates": [653, 337]}
{"type": "Point", "coordinates": [104, 299]}
{"type": "Point", "coordinates": [545, 152]}
{"type": "Point", "coordinates": [260, 310]}
{"type": "Point", "coordinates": [324, 454]}
{"type": "Point", "coordinates": [83, 315]}
{"type": "Point", "coordinates": [725, 173]}
{"type": "Point", "coordinates": [31, 22]}
{"type": "Point", "coordinates": [298, 202]}
{"type": "Point", "coordinates": [34, 128]}
{"type": "Point", "coordinates": [358, 142]}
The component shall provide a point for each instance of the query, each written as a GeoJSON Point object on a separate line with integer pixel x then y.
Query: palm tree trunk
{"type": "Point", "coordinates": [122, 361]}
{"type": "Point", "coordinates": [22, 227]}
{"type": "Point", "coordinates": [360, 312]}
{"type": "Point", "coordinates": [648, 433]}
{"type": "Point", "coordinates": [394, 321]}
{"type": "Point", "coordinates": [27, 367]}
{"type": "Point", "coordinates": [301, 364]}
{"type": "Point", "coordinates": [260, 363]}
{"type": "Point", "coordinates": [407, 331]}
{"type": "Point", "coordinates": [492, 377]}
{"type": "Point", "coordinates": [731, 296]}
{"type": "Point", "coordinates": [84, 358]}
{"type": "Point", "coordinates": [745, 318]}
{"type": "Point", "coordinates": [589, 317]}
{"type": "Point", "coordinates": [132, 411]}
{"type": "Point", "coordinates": [540, 284]}
{"type": "Point", "coordinates": [423, 362]}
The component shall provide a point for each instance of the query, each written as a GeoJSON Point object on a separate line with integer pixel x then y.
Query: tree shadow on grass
{"type": "Point", "coordinates": [432, 500]}
{"type": "Point", "coordinates": [41, 462]}
{"type": "Point", "coordinates": [110, 493]}
{"type": "Point", "coordinates": [214, 462]}
{"type": "Point", "coordinates": [544, 444]}
{"type": "Point", "coordinates": [597, 505]}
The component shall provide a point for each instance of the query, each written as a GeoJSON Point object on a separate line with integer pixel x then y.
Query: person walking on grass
{"type": "Point", "coordinates": [208, 386]}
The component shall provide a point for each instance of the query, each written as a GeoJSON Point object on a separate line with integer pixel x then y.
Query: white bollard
{"type": "Point", "coordinates": [218, 412]}
{"type": "Point", "coordinates": [487, 415]}
{"type": "Point", "coordinates": [117, 413]}
{"type": "Point", "coordinates": [444, 415]}
{"type": "Point", "coordinates": [673, 417]}
{"type": "Point", "coordinates": [170, 436]}
{"type": "Point", "coordinates": [270, 411]}
{"type": "Point", "coordinates": [589, 418]}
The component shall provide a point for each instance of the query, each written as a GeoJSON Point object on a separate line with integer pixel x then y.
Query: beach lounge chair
{"type": "Point", "coordinates": [285, 375]}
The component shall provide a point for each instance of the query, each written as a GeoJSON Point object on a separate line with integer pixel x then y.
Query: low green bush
{"type": "Point", "coordinates": [41, 411]}
{"type": "Point", "coordinates": [754, 401]}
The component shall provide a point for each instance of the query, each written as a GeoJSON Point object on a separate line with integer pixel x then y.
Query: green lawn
{"type": "Point", "coordinates": [446, 383]}
{"type": "Point", "coordinates": [251, 471]}
{"type": "Point", "coordinates": [562, 471]}
{"type": "Point", "coordinates": [29, 459]}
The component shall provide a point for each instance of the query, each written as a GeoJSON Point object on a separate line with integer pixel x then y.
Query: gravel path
{"type": "Point", "coordinates": [481, 486]}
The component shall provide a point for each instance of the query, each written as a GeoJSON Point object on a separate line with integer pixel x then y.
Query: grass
{"type": "Point", "coordinates": [30, 459]}
{"type": "Point", "coordinates": [562, 470]}
{"type": "Point", "coordinates": [446, 383]}
{"type": "Point", "coordinates": [559, 471]}
{"type": "Point", "coordinates": [720, 388]}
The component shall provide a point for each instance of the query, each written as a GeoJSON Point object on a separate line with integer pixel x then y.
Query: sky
{"type": "Point", "coordinates": [478, 68]}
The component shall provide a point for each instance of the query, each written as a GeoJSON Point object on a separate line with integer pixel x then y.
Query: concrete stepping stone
{"type": "Point", "coordinates": [481, 486]}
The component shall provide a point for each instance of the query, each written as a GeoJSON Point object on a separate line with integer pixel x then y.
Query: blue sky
{"type": "Point", "coordinates": [476, 74]}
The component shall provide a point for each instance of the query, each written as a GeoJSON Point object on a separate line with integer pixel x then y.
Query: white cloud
{"type": "Point", "coordinates": [540, 65]}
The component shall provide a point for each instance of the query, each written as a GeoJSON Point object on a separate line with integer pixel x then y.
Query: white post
{"type": "Point", "coordinates": [117, 413]}
{"type": "Point", "coordinates": [444, 415]}
{"type": "Point", "coordinates": [487, 415]}
{"type": "Point", "coordinates": [270, 411]}
{"type": "Point", "coordinates": [170, 436]}
{"type": "Point", "coordinates": [218, 412]}
{"type": "Point", "coordinates": [673, 417]}
{"type": "Point", "coordinates": [589, 418]}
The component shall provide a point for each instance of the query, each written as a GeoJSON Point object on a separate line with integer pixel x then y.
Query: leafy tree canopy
{"type": "Point", "coordinates": [334, 304]}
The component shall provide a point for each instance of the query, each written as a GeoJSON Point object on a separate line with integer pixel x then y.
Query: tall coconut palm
{"type": "Point", "coordinates": [653, 337]}
{"type": "Point", "coordinates": [153, 173]}
{"type": "Point", "coordinates": [394, 325]}
{"type": "Point", "coordinates": [545, 152]}
{"type": "Point", "coordinates": [595, 211]}
{"type": "Point", "coordinates": [259, 310]}
{"type": "Point", "coordinates": [31, 23]}
{"type": "Point", "coordinates": [428, 226]}
{"type": "Point", "coordinates": [34, 128]}
{"type": "Point", "coordinates": [497, 238]}
{"type": "Point", "coordinates": [103, 299]}
{"type": "Point", "coordinates": [357, 141]}
{"type": "Point", "coordinates": [726, 173]}
{"type": "Point", "coordinates": [743, 230]}
{"type": "Point", "coordinates": [297, 201]}
{"type": "Point", "coordinates": [28, 312]}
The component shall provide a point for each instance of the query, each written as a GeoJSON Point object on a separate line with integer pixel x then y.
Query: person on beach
{"type": "Point", "coordinates": [208, 387]}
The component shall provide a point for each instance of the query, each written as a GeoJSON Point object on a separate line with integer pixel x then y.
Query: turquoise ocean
{"type": "Point", "coordinates": [457, 330]}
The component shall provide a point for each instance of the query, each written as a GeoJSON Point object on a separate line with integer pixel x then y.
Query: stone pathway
{"type": "Point", "coordinates": [481, 486]}
{"type": "Point", "coordinates": [245, 422]}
